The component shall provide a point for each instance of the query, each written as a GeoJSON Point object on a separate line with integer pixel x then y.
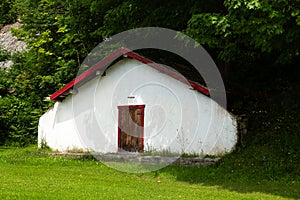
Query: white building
{"type": "Point", "coordinates": [127, 102]}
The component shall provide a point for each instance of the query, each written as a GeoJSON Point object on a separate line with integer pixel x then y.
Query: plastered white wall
{"type": "Point", "coordinates": [177, 118]}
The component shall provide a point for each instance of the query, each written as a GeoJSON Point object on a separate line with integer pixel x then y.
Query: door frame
{"type": "Point", "coordinates": [142, 123]}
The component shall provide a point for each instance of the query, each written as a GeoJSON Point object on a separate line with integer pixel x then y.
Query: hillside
{"type": "Point", "coordinates": [258, 57]}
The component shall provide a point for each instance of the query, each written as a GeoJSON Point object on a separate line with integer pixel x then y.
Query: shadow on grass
{"type": "Point", "coordinates": [244, 174]}
{"type": "Point", "coordinates": [2, 148]}
{"type": "Point", "coordinates": [194, 175]}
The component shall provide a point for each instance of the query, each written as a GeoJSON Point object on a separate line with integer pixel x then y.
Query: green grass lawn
{"type": "Point", "coordinates": [25, 174]}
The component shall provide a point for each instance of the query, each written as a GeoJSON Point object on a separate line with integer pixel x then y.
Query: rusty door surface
{"type": "Point", "coordinates": [131, 128]}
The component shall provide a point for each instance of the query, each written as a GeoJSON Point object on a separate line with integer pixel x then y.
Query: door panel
{"type": "Point", "coordinates": [131, 128]}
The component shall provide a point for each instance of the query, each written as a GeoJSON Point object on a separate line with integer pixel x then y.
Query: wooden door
{"type": "Point", "coordinates": [131, 128]}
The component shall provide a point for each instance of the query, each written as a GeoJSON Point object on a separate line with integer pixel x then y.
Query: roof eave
{"type": "Point", "coordinates": [92, 72]}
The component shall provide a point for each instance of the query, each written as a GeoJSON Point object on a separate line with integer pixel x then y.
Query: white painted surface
{"type": "Point", "coordinates": [177, 118]}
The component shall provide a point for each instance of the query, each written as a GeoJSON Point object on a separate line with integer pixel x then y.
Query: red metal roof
{"type": "Point", "coordinates": [109, 59]}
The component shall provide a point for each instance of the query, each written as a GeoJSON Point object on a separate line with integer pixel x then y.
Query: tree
{"type": "Point", "coordinates": [247, 30]}
{"type": "Point", "coordinates": [243, 35]}
{"type": "Point", "coordinates": [59, 35]}
{"type": "Point", "coordinates": [157, 13]}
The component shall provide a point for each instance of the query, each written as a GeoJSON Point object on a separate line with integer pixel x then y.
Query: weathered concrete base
{"type": "Point", "coordinates": [143, 159]}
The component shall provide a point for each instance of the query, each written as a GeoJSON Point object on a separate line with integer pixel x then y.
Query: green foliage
{"type": "Point", "coordinates": [44, 146]}
{"type": "Point", "coordinates": [7, 12]}
{"type": "Point", "coordinates": [20, 120]}
{"type": "Point", "coordinates": [21, 102]}
{"type": "Point", "coordinates": [137, 13]}
{"type": "Point", "coordinates": [249, 30]}
{"type": "Point", "coordinates": [4, 55]}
